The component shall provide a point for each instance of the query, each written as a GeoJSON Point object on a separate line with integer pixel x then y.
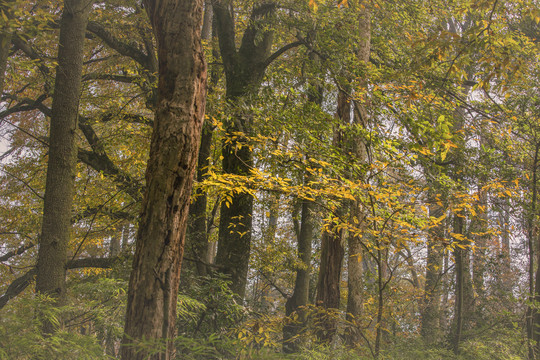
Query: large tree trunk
{"type": "Point", "coordinates": [59, 185]}
{"type": "Point", "coordinates": [153, 285]}
{"type": "Point", "coordinates": [244, 69]}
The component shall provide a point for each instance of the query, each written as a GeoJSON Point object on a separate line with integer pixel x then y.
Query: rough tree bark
{"type": "Point", "coordinates": [59, 185]}
{"type": "Point", "coordinates": [153, 285]}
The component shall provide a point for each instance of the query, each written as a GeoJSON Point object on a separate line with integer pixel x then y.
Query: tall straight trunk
{"type": "Point", "coordinates": [244, 70]}
{"type": "Point", "coordinates": [464, 304]}
{"type": "Point", "coordinates": [505, 267]}
{"type": "Point", "coordinates": [458, 317]}
{"type": "Point", "coordinates": [536, 313]}
{"type": "Point", "coordinates": [464, 291]}
{"type": "Point", "coordinates": [533, 317]}
{"type": "Point", "coordinates": [445, 292]}
{"type": "Point", "coordinates": [304, 234]}
{"type": "Point", "coordinates": [181, 96]}
{"type": "Point", "coordinates": [197, 238]}
{"type": "Point", "coordinates": [479, 227]}
{"type": "Point", "coordinates": [59, 185]}
{"type": "Point", "coordinates": [355, 282]}
{"type": "Point", "coordinates": [430, 313]}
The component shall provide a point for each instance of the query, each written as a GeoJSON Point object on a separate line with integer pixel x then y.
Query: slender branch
{"type": "Point", "coordinates": [19, 251]}
{"type": "Point", "coordinates": [281, 51]}
{"type": "Point", "coordinates": [102, 163]}
{"type": "Point", "coordinates": [110, 77]}
{"type": "Point", "coordinates": [22, 182]}
{"type": "Point", "coordinates": [120, 46]}
{"type": "Point", "coordinates": [283, 293]}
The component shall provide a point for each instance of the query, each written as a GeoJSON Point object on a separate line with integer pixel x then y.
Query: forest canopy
{"type": "Point", "coordinates": [297, 179]}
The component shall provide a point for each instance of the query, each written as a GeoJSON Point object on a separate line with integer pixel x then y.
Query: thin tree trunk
{"type": "Point", "coordinates": [115, 246]}
{"type": "Point", "coordinates": [479, 226]}
{"type": "Point", "coordinates": [458, 255]}
{"type": "Point", "coordinates": [153, 285]}
{"type": "Point", "coordinates": [59, 185]}
{"type": "Point", "coordinates": [464, 309]}
{"type": "Point", "coordinates": [430, 315]}
{"type": "Point", "coordinates": [533, 318]}
{"type": "Point", "coordinates": [355, 282]}
{"type": "Point", "coordinates": [381, 275]}
{"type": "Point", "coordinates": [197, 244]}
{"type": "Point", "coordinates": [505, 271]}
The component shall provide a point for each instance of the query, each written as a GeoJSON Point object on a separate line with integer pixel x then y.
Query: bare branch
{"type": "Point", "coordinates": [19, 251]}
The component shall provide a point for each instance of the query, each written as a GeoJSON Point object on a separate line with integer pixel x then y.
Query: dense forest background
{"type": "Point", "coordinates": [366, 183]}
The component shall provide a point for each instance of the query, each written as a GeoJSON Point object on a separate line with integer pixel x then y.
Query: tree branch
{"type": "Point", "coordinates": [226, 33]}
{"type": "Point", "coordinates": [17, 286]}
{"type": "Point", "coordinates": [111, 77]}
{"type": "Point", "coordinates": [280, 52]}
{"type": "Point", "coordinates": [19, 251]}
{"type": "Point", "coordinates": [102, 163]}
{"type": "Point", "coordinates": [121, 47]}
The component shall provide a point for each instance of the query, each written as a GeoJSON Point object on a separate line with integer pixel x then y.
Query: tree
{"type": "Point", "coordinates": [244, 70]}
{"type": "Point", "coordinates": [59, 186]}
{"type": "Point", "coordinates": [181, 96]}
